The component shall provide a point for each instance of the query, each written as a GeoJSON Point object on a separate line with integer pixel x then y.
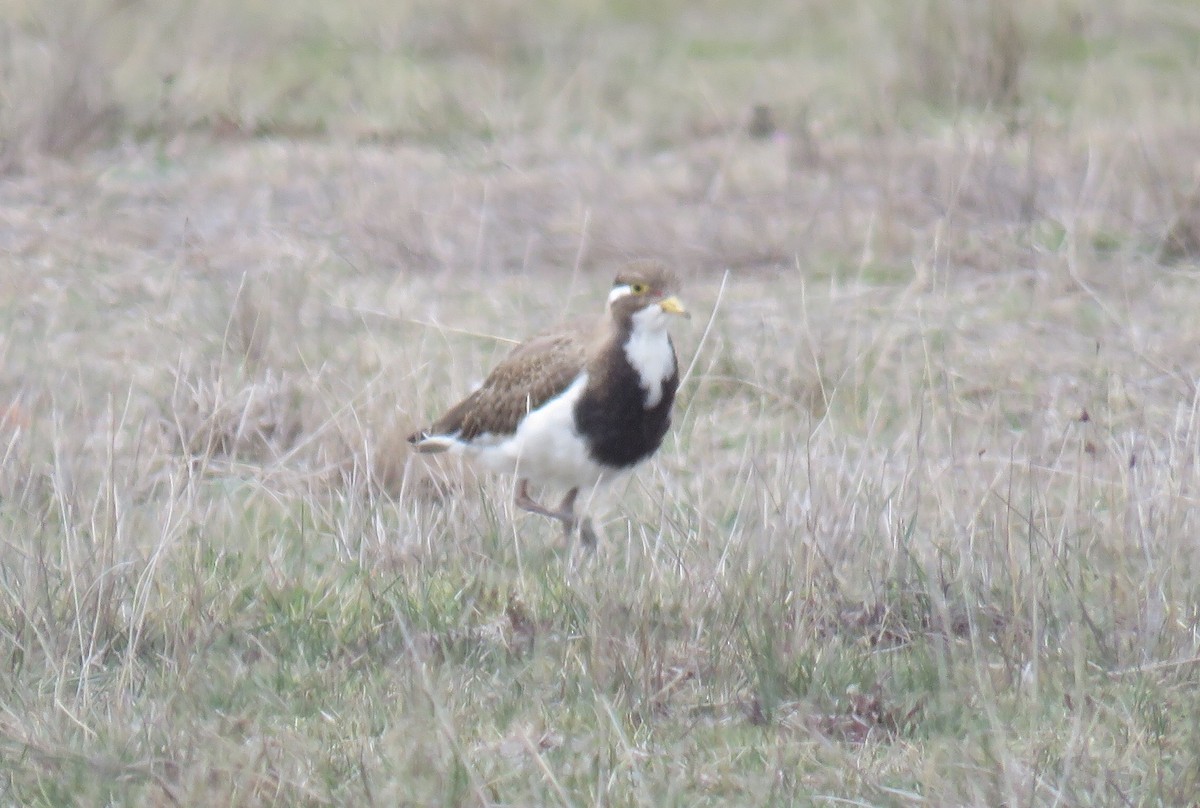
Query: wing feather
{"type": "Point", "coordinates": [532, 374]}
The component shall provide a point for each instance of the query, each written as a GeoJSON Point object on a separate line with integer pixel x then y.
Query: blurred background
{"type": "Point", "coordinates": [91, 73]}
{"type": "Point", "coordinates": [859, 106]}
{"type": "Point", "coordinates": [923, 531]}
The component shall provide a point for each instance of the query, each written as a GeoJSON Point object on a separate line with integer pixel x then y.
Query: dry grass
{"type": "Point", "coordinates": [924, 530]}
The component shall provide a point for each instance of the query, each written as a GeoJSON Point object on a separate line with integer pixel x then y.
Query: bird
{"type": "Point", "coordinates": [575, 408]}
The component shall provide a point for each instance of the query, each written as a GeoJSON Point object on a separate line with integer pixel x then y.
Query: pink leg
{"type": "Point", "coordinates": [565, 513]}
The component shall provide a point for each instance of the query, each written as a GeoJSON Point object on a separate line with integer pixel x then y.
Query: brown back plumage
{"type": "Point", "coordinates": [532, 374]}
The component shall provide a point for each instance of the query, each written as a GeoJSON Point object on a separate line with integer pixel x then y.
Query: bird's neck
{"type": "Point", "coordinates": [649, 351]}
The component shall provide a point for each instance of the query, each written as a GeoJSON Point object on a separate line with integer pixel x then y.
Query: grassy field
{"type": "Point", "coordinates": [927, 527]}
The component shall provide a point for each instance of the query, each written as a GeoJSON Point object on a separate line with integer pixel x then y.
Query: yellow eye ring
{"type": "Point", "coordinates": [638, 288]}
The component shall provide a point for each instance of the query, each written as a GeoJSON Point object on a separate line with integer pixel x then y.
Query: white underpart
{"type": "Point", "coordinates": [546, 449]}
{"type": "Point", "coordinates": [649, 352]}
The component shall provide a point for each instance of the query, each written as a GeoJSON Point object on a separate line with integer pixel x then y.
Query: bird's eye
{"type": "Point", "coordinates": [638, 288]}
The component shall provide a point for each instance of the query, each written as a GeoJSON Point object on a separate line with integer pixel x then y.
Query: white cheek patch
{"type": "Point", "coordinates": [619, 292]}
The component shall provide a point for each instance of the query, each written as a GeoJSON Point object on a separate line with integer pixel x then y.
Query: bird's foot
{"type": "Point", "coordinates": [587, 533]}
{"type": "Point", "coordinates": [564, 514]}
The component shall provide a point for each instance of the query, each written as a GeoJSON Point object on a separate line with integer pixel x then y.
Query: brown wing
{"type": "Point", "coordinates": [535, 372]}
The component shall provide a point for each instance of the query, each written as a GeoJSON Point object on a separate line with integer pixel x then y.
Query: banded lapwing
{"type": "Point", "coordinates": [575, 409]}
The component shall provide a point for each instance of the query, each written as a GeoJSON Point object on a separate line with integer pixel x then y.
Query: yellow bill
{"type": "Point", "coordinates": [672, 305]}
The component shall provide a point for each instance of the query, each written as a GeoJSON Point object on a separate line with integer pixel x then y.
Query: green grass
{"type": "Point", "coordinates": [922, 532]}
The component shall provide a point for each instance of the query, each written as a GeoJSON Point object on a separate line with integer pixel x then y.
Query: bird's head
{"type": "Point", "coordinates": [643, 294]}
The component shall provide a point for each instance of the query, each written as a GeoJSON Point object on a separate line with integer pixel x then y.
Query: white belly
{"type": "Point", "coordinates": [546, 449]}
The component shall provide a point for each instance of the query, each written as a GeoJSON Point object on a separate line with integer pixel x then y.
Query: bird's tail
{"type": "Point", "coordinates": [425, 443]}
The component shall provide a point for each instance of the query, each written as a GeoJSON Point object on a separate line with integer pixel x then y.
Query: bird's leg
{"type": "Point", "coordinates": [586, 534]}
{"type": "Point", "coordinates": [525, 502]}
{"type": "Point", "coordinates": [565, 513]}
{"type": "Point", "coordinates": [567, 509]}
